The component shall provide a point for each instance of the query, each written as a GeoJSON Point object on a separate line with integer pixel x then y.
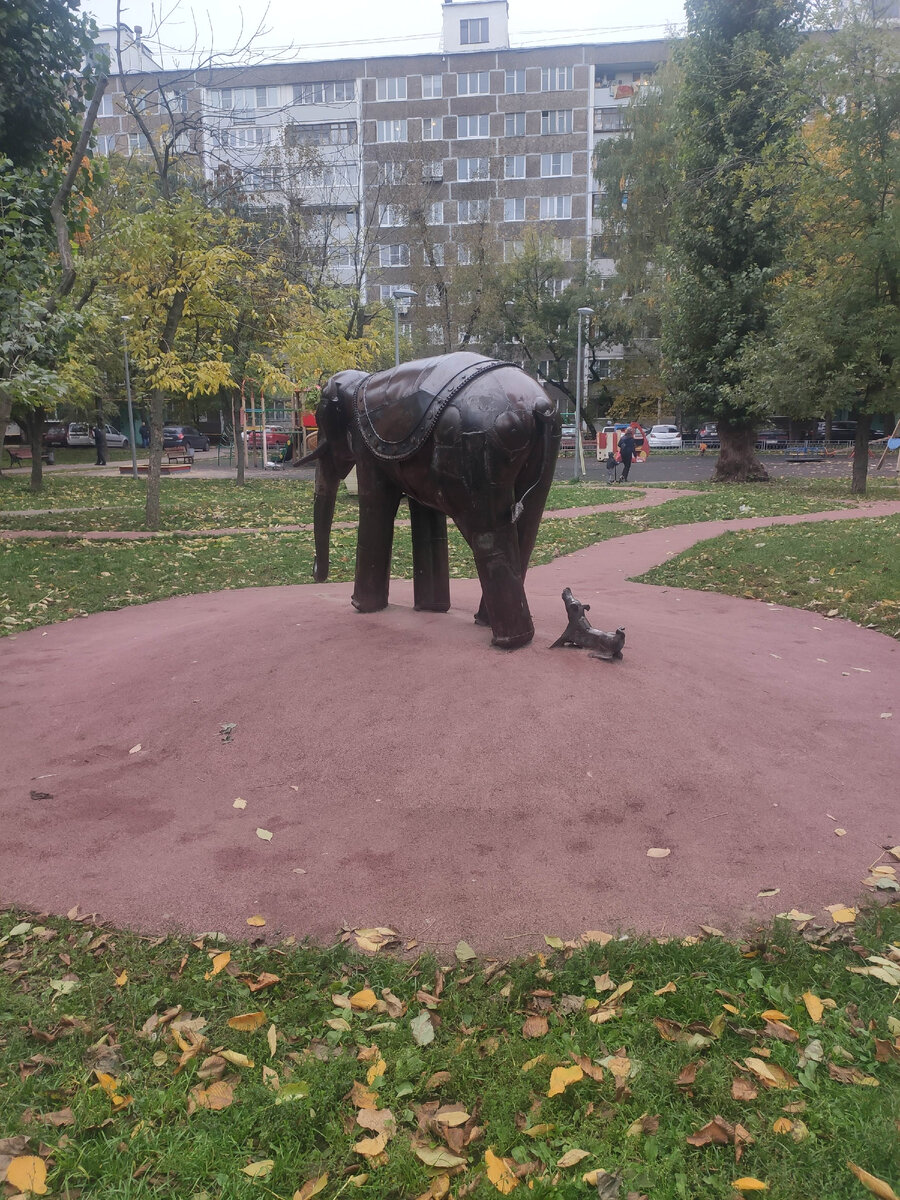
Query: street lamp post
{"type": "Point", "coordinates": [134, 470]}
{"type": "Point", "coordinates": [579, 449]}
{"type": "Point", "coordinates": [398, 295]}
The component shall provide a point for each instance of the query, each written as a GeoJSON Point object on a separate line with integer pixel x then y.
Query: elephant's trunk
{"type": "Point", "coordinates": [327, 481]}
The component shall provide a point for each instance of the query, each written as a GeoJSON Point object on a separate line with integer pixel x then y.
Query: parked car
{"type": "Point", "coordinates": [184, 435]}
{"type": "Point", "coordinates": [80, 433]}
{"type": "Point", "coordinates": [709, 433]}
{"type": "Point", "coordinates": [664, 437]}
{"type": "Point", "coordinates": [843, 431]}
{"type": "Point", "coordinates": [55, 434]}
{"type": "Point", "coordinates": [274, 437]}
{"type": "Point", "coordinates": [771, 439]}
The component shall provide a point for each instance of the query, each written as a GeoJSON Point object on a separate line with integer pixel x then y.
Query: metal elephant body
{"type": "Point", "coordinates": [461, 436]}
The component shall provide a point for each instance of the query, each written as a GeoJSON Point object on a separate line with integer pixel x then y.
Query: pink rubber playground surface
{"type": "Point", "coordinates": [421, 780]}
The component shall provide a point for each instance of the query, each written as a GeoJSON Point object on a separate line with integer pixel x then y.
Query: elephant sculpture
{"type": "Point", "coordinates": [459, 435]}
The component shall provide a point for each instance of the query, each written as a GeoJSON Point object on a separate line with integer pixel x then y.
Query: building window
{"type": "Point", "coordinates": [515, 81]}
{"type": "Point", "coordinates": [473, 83]}
{"type": "Point", "coordinates": [433, 172]}
{"type": "Point", "coordinates": [464, 256]}
{"type": "Point", "coordinates": [432, 87]}
{"type": "Point", "coordinates": [556, 79]}
{"type": "Point", "coordinates": [175, 100]}
{"type": "Point", "coordinates": [473, 127]}
{"type": "Point", "coordinates": [106, 106]}
{"type": "Point", "coordinates": [386, 293]}
{"type": "Point", "coordinates": [555, 164]}
{"type": "Point", "coordinates": [433, 295]}
{"type": "Point", "coordinates": [610, 120]}
{"type": "Point", "coordinates": [245, 98]}
{"type": "Point", "coordinates": [434, 255]}
{"type": "Point", "coordinates": [549, 368]}
{"type": "Point", "coordinates": [328, 92]}
{"type": "Point", "coordinates": [335, 133]}
{"type": "Point", "coordinates": [138, 144]}
{"type": "Point", "coordinates": [392, 131]}
{"type": "Point", "coordinates": [394, 256]}
{"type": "Point", "coordinates": [557, 120]}
{"type": "Point", "coordinates": [390, 216]}
{"type": "Point", "coordinates": [435, 335]}
{"type": "Point", "coordinates": [556, 208]}
{"type": "Point", "coordinates": [512, 250]}
{"type": "Point", "coordinates": [340, 256]}
{"type": "Point", "coordinates": [106, 144]}
{"type": "Point", "coordinates": [469, 169]}
{"type": "Point", "coordinates": [393, 172]}
{"type": "Point", "coordinates": [434, 213]}
{"type": "Point", "coordinates": [514, 166]}
{"type": "Point", "coordinates": [473, 31]}
{"type": "Point", "coordinates": [514, 209]}
{"type": "Point", "coordinates": [432, 128]}
{"type": "Point", "coordinates": [562, 248]}
{"type": "Point", "coordinates": [243, 137]}
{"type": "Point", "coordinates": [514, 124]}
{"type": "Point", "coordinates": [556, 287]}
{"type": "Point", "coordinates": [393, 88]}
{"type": "Point", "coordinates": [470, 211]}
{"type": "Point", "coordinates": [261, 180]}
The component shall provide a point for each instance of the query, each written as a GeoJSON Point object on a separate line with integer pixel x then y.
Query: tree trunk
{"type": "Point", "coordinates": [861, 454]}
{"type": "Point", "coordinates": [103, 448]}
{"type": "Point", "coordinates": [157, 412]}
{"type": "Point", "coordinates": [5, 413]}
{"type": "Point", "coordinates": [738, 461]}
{"type": "Point", "coordinates": [239, 443]}
{"type": "Point", "coordinates": [36, 438]}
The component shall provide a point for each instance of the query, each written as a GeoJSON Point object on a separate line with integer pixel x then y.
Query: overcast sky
{"type": "Point", "coordinates": [347, 28]}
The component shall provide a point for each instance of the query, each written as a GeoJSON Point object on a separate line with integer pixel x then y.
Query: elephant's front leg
{"type": "Point", "coordinates": [431, 558]}
{"type": "Point", "coordinates": [378, 501]}
{"type": "Point", "coordinates": [496, 553]}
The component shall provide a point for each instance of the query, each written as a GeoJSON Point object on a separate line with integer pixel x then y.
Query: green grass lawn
{"type": "Point", "coordinates": [842, 569]}
{"type": "Point", "coordinates": [146, 1068]}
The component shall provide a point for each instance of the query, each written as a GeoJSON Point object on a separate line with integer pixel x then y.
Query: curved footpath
{"type": "Point", "coordinates": [412, 777]}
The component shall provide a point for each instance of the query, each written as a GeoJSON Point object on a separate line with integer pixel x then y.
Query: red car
{"type": "Point", "coordinates": [274, 437]}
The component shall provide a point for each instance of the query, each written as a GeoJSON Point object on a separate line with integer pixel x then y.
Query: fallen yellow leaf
{"type": "Point", "coordinates": [272, 1039]}
{"type": "Point", "coordinates": [664, 991]}
{"type": "Point", "coordinates": [572, 1157]}
{"type": "Point", "coordinates": [499, 1173]}
{"type": "Point", "coordinates": [256, 922]}
{"type": "Point", "coordinates": [247, 1022]}
{"type": "Point", "coordinates": [311, 1188]}
{"type": "Point", "coordinates": [264, 835]}
{"type": "Point", "coordinates": [376, 1071]}
{"type": "Point", "coordinates": [219, 963]}
{"type": "Point", "coordinates": [259, 1170]}
{"type": "Point", "coordinates": [783, 1125]}
{"type": "Point", "coordinates": [774, 1014]}
{"type": "Point", "coordinates": [122, 979]}
{"type": "Point", "coordinates": [239, 1060]}
{"type": "Point", "coordinates": [538, 1130]}
{"type": "Point", "coordinates": [749, 1184]}
{"type": "Point", "coordinates": [561, 1077]}
{"type": "Point", "coordinates": [876, 1186]}
{"type": "Point", "coordinates": [364, 1000]}
{"type": "Point", "coordinates": [658, 852]}
{"type": "Point", "coordinates": [842, 915]}
{"type": "Point", "coordinates": [814, 1007]}
{"type": "Point", "coordinates": [362, 1097]}
{"type": "Point", "coordinates": [533, 1062]}
{"type": "Point", "coordinates": [28, 1173]}
{"type": "Point", "coordinates": [370, 1147]}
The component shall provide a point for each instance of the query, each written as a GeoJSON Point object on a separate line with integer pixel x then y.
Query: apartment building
{"type": "Point", "coordinates": [406, 163]}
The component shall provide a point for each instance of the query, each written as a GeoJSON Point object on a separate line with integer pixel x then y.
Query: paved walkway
{"type": "Point", "coordinates": [410, 776]}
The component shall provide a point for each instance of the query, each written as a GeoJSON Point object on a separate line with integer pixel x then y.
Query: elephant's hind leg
{"type": "Point", "coordinates": [496, 554]}
{"type": "Point", "coordinates": [431, 558]}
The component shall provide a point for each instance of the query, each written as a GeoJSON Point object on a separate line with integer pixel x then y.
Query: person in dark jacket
{"type": "Point", "coordinates": [626, 451]}
{"type": "Point", "coordinates": [145, 435]}
{"type": "Point", "coordinates": [100, 444]}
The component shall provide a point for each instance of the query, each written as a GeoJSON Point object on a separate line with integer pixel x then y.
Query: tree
{"type": "Point", "coordinates": [834, 338]}
{"type": "Point", "coordinates": [735, 119]}
{"type": "Point", "coordinates": [43, 44]}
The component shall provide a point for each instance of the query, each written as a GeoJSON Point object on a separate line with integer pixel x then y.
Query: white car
{"type": "Point", "coordinates": [664, 437]}
{"type": "Point", "coordinates": [79, 434]}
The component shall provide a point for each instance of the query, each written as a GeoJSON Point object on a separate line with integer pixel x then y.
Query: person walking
{"type": "Point", "coordinates": [100, 445]}
{"type": "Point", "coordinates": [145, 435]}
{"type": "Point", "coordinates": [626, 450]}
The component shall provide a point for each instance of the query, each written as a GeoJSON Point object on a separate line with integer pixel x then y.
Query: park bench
{"type": "Point", "coordinates": [19, 455]}
{"type": "Point", "coordinates": [178, 454]}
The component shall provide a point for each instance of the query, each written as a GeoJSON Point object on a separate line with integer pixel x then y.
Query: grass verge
{"type": "Point", "coordinates": [142, 1068]}
{"type": "Point", "coordinates": [847, 569]}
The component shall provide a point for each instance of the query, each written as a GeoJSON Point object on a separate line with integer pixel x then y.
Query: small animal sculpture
{"type": "Point", "coordinates": [580, 632]}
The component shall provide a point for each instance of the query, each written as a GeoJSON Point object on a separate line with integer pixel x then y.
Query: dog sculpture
{"type": "Point", "coordinates": [580, 632]}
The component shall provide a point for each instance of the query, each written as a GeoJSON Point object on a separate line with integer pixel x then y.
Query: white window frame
{"type": "Point", "coordinates": [433, 172]}
{"type": "Point", "coordinates": [515, 77]}
{"type": "Point", "coordinates": [437, 253]}
{"type": "Point", "coordinates": [393, 172]}
{"type": "Point", "coordinates": [394, 255]}
{"type": "Point", "coordinates": [391, 131]}
{"type": "Point", "coordinates": [512, 249]}
{"type": "Point", "coordinates": [432, 129]}
{"type": "Point", "coordinates": [391, 87]}
{"type": "Point", "coordinates": [434, 213]}
{"type": "Point", "coordinates": [469, 83]}
{"type": "Point", "coordinates": [470, 212]}
{"type": "Point", "coordinates": [556, 120]}
{"type": "Point", "coordinates": [511, 166]}
{"type": "Point", "coordinates": [106, 108]}
{"type": "Point", "coordinates": [514, 124]}
{"type": "Point", "coordinates": [514, 208]}
{"type": "Point", "coordinates": [464, 256]}
{"type": "Point", "coordinates": [474, 31]}
{"type": "Point", "coordinates": [432, 87]}
{"type": "Point", "coordinates": [481, 122]}
{"type": "Point", "coordinates": [391, 216]}
{"type": "Point", "coordinates": [556, 208]}
{"type": "Point", "coordinates": [556, 166]}
{"type": "Point", "coordinates": [557, 79]}
{"type": "Point", "coordinates": [327, 91]}
{"type": "Point", "coordinates": [466, 173]}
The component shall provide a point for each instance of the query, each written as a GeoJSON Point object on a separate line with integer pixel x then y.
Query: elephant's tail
{"type": "Point", "coordinates": [547, 420]}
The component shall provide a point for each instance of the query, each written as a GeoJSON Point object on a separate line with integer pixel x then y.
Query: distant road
{"type": "Point", "coordinates": [666, 466]}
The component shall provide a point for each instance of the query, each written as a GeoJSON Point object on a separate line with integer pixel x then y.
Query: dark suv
{"type": "Point", "coordinates": [843, 431]}
{"type": "Point", "coordinates": [185, 435]}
